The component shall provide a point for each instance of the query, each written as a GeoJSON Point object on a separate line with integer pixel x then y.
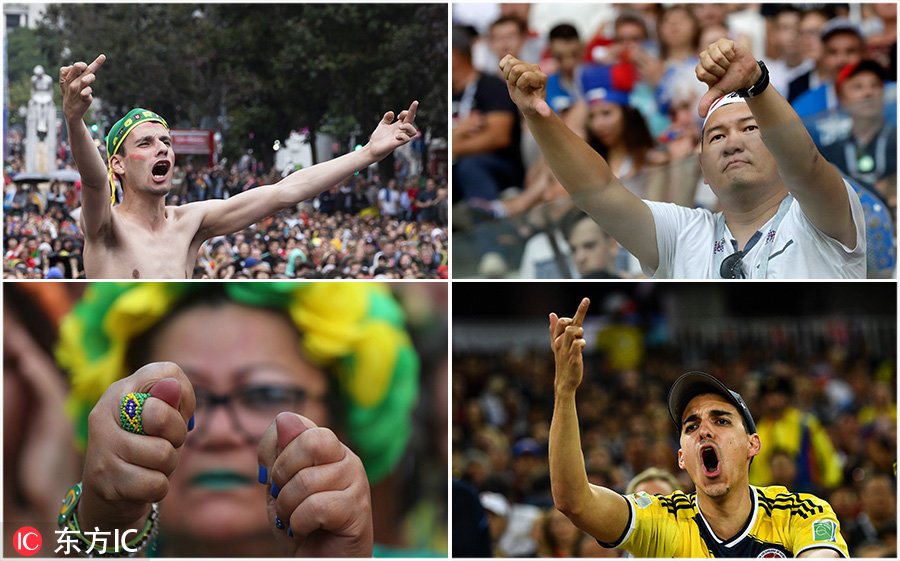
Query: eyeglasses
{"type": "Point", "coordinates": [251, 408]}
{"type": "Point", "coordinates": [731, 266]}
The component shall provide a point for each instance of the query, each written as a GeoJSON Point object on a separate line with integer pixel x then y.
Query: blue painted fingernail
{"type": "Point", "coordinates": [290, 533]}
{"type": "Point", "coordinates": [278, 523]}
{"type": "Point", "coordinates": [191, 424]}
{"type": "Point", "coordinates": [275, 490]}
{"type": "Point", "coordinates": [263, 474]}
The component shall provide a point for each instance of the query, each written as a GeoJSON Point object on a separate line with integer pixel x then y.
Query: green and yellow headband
{"type": "Point", "coordinates": [354, 331]}
{"type": "Point", "coordinates": [120, 130]}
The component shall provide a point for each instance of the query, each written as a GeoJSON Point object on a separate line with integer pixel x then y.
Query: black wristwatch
{"type": "Point", "coordinates": [760, 84]}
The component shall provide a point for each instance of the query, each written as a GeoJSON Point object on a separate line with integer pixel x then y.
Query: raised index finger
{"type": "Point", "coordinates": [582, 311]}
{"type": "Point", "coordinates": [98, 62]}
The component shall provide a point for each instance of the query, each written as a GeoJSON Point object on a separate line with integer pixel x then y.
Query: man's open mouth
{"type": "Point", "coordinates": [710, 460]}
{"type": "Point", "coordinates": [160, 170]}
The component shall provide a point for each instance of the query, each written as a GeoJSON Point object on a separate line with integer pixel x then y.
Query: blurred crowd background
{"type": "Point", "coordinates": [622, 77]}
{"type": "Point", "coordinates": [816, 365]}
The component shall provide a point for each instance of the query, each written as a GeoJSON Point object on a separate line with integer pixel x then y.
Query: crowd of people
{"type": "Point", "coordinates": [825, 411]}
{"type": "Point", "coordinates": [622, 77]}
{"type": "Point", "coordinates": [361, 228]}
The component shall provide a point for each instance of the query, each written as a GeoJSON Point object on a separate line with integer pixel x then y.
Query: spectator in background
{"type": "Point", "coordinates": [877, 523]}
{"type": "Point", "coordinates": [389, 199]}
{"type": "Point", "coordinates": [507, 34]}
{"type": "Point", "coordinates": [653, 481]}
{"type": "Point", "coordinates": [811, 24]}
{"type": "Point", "coordinates": [679, 43]}
{"type": "Point", "coordinates": [788, 62]}
{"type": "Point", "coordinates": [842, 44]}
{"type": "Point", "coordinates": [784, 428]}
{"type": "Point", "coordinates": [556, 535]}
{"type": "Point", "coordinates": [867, 152]}
{"type": "Point", "coordinates": [618, 132]}
{"type": "Point", "coordinates": [486, 132]}
{"type": "Point", "coordinates": [496, 507]}
{"type": "Point", "coordinates": [593, 251]}
{"type": "Point", "coordinates": [882, 45]}
{"type": "Point", "coordinates": [427, 201]}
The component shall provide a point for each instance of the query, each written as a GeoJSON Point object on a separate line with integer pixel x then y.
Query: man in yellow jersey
{"type": "Point", "coordinates": [724, 517]}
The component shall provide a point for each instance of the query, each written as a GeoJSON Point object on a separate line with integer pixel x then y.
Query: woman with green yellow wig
{"type": "Point", "coordinates": [203, 412]}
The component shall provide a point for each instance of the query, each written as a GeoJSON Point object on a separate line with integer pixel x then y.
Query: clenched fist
{"type": "Point", "coordinates": [319, 503]}
{"type": "Point", "coordinates": [725, 67]}
{"type": "Point", "coordinates": [124, 472]}
{"type": "Point", "coordinates": [527, 86]}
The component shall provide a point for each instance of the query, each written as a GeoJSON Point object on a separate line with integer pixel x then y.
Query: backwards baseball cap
{"type": "Point", "coordinates": [120, 130]}
{"type": "Point", "coordinates": [690, 385]}
{"type": "Point", "coordinates": [851, 70]}
{"type": "Point", "coordinates": [733, 97]}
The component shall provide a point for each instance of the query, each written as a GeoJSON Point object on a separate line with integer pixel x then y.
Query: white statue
{"type": "Point", "coordinates": [41, 101]}
{"type": "Point", "coordinates": [40, 135]}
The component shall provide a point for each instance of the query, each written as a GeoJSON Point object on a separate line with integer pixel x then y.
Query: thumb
{"type": "Point", "coordinates": [168, 390]}
{"type": "Point", "coordinates": [388, 118]}
{"type": "Point", "coordinates": [542, 108]}
{"type": "Point", "coordinates": [708, 99]}
{"type": "Point", "coordinates": [289, 426]}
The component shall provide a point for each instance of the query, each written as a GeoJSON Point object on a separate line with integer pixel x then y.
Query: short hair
{"type": "Point", "coordinates": [563, 32]}
{"type": "Point", "coordinates": [519, 23]}
{"type": "Point", "coordinates": [632, 17]}
{"type": "Point", "coordinates": [653, 474]}
{"type": "Point", "coordinates": [462, 39]}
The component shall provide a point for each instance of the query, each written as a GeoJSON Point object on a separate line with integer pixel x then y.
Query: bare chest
{"type": "Point", "coordinates": [133, 252]}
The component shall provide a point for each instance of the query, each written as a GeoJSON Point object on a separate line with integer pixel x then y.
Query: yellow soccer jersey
{"type": "Point", "coordinates": [781, 524]}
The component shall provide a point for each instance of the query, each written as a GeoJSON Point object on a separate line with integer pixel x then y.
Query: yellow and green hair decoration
{"type": "Point", "coordinates": [354, 331]}
{"type": "Point", "coordinates": [120, 130]}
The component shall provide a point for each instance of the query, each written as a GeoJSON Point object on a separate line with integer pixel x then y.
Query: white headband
{"type": "Point", "coordinates": [733, 97]}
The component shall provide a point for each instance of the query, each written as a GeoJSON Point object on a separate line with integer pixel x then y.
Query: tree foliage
{"type": "Point", "coordinates": [258, 71]}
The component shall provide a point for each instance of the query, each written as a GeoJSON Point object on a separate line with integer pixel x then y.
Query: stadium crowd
{"type": "Point", "coordinates": [357, 229]}
{"type": "Point", "coordinates": [824, 403]}
{"type": "Point", "coordinates": [622, 77]}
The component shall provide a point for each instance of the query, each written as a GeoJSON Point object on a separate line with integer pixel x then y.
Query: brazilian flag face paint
{"type": "Point", "coordinates": [119, 131]}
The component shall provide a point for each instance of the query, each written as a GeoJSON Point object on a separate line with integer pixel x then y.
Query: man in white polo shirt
{"type": "Point", "coordinates": [787, 213]}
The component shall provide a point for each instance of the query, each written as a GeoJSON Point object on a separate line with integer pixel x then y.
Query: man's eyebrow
{"type": "Point", "coordinates": [713, 413]}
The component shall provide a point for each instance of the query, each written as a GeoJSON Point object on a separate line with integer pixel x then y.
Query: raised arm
{"type": "Point", "coordinates": [599, 511]}
{"type": "Point", "coordinates": [75, 82]}
{"type": "Point", "coordinates": [816, 184]}
{"type": "Point", "coordinates": [581, 170]}
{"type": "Point", "coordinates": [221, 217]}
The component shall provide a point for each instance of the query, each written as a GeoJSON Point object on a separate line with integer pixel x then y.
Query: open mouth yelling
{"type": "Point", "coordinates": [160, 170]}
{"type": "Point", "coordinates": [709, 459]}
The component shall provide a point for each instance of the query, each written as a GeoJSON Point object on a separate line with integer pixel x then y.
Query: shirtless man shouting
{"type": "Point", "coordinates": [144, 238]}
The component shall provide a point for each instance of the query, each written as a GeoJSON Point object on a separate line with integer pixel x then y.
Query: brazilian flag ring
{"type": "Point", "coordinates": [130, 415]}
